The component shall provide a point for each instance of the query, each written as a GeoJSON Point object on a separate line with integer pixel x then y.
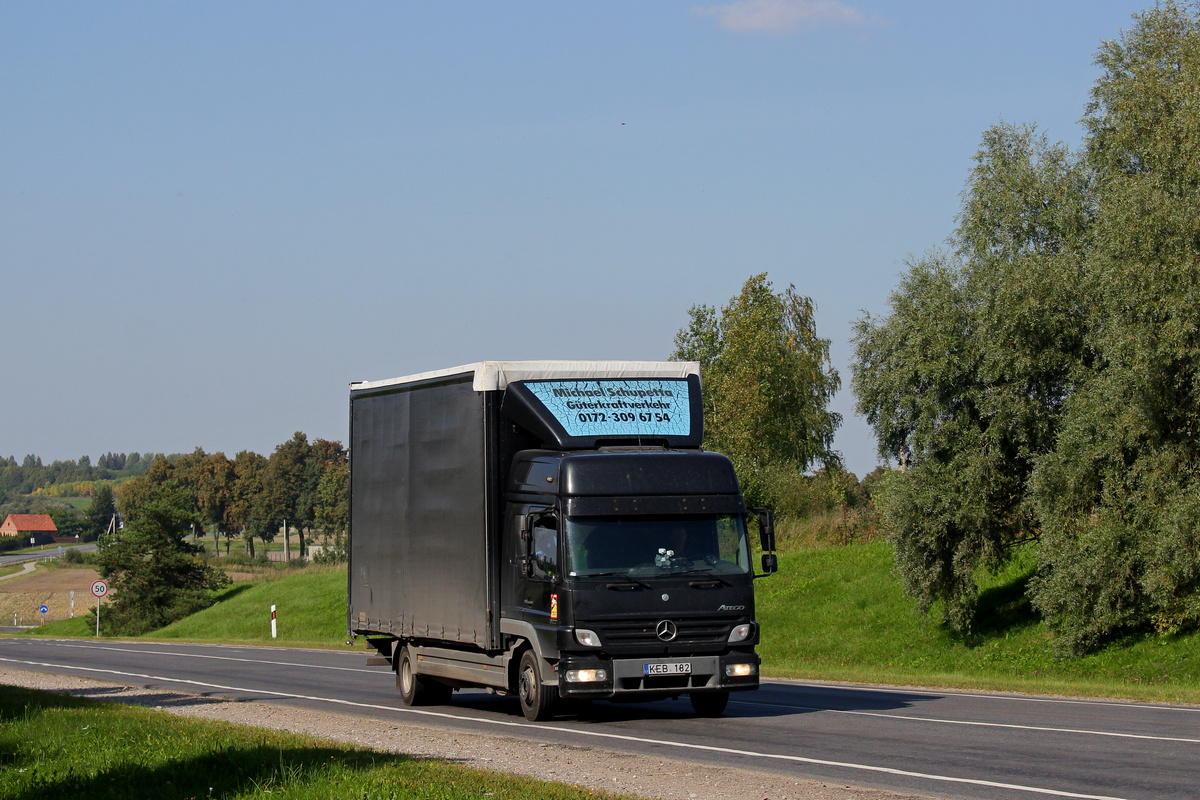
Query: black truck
{"type": "Point", "coordinates": [553, 530]}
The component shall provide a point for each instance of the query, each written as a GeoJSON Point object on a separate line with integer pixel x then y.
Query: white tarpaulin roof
{"type": "Point", "coordinates": [493, 375]}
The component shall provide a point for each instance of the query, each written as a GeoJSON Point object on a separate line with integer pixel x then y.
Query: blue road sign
{"type": "Point", "coordinates": [44, 609]}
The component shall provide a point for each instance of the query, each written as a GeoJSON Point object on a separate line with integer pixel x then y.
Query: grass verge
{"type": "Point", "coordinates": [310, 612]}
{"type": "Point", "coordinates": [838, 613]}
{"type": "Point", "coordinates": [57, 746]}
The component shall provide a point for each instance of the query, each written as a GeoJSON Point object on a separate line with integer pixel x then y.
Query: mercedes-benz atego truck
{"type": "Point", "coordinates": [551, 530]}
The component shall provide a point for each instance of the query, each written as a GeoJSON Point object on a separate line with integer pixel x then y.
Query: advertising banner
{"type": "Point", "coordinates": [617, 408]}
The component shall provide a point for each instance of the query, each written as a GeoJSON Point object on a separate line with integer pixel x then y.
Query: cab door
{"type": "Point", "coordinates": [538, 578]}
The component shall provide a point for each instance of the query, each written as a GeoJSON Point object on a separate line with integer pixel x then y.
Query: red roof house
{"type": "Point", "coordinates": [28, 525]}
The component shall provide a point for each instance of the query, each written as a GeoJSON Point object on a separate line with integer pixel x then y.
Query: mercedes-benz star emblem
{"type": "Point", "coordinates": [666, 630]}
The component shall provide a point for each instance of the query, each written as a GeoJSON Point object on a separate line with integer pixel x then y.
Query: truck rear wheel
{"type": "Point", "coordinates": [537, 699]}
{"type": "Point", "coordinates": [709, 704]}
{"type": "Point", "coordinates": [417, 690]}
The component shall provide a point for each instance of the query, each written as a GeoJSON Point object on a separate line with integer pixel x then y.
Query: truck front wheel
{"type": "Point", "coordinates": [709, 704]}
{"type": "Point", "coordinates": [417, 690]}
{"type": "Point", "coordinates": [537, 699]}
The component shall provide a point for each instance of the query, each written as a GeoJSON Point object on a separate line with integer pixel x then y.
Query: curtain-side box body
{"type": "Point", "coordinates": [423, 511]}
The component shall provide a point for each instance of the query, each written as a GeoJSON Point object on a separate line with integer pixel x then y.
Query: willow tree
{"type": "Point", "coordinates": [1042, 380]}
{"type": "Point", "coordinates": [964, 380]}
{"type": "Point", "coordinates": [1119, 498]}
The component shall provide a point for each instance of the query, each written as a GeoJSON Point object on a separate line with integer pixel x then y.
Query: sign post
{"type": "Point", "coordinates": [43, 609]}
{"type": "Point", "coordinates": [99, 588]}
{"type": "Point", "coordinates": [272, 621]}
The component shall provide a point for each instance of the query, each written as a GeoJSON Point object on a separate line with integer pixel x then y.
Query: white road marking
{"type": "Point", "coordinates": [930, 720]}
{"type": "Point", "coordinates": [215, 658]}
{"type": "Point", "coordinates": [1043, 729]}
{"type": "Point", "coordinates": [1115, 704]}
{"type": "Point", "coordinates": [591, 733]}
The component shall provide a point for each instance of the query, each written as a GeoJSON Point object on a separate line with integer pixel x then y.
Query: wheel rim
{"type": "Point", "coordinates": [406, 677]}
{"type": "Point", "coordinates": [527, 686]}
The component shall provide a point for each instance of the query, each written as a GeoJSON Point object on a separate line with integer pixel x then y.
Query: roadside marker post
{"type": "Point", "coordinates": [272, 621]}
{"type": "Point", "coordinates": [99, 588]}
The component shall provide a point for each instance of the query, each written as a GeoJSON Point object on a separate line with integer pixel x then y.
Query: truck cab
{"type": "Point", "coordinates": [631, 569]}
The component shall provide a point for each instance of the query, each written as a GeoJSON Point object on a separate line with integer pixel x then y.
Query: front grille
{"type": "Point", "coordinates": [639, 635]}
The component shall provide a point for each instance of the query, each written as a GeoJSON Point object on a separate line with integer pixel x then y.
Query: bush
{"type": "Point", "coordinates": [75, 557]}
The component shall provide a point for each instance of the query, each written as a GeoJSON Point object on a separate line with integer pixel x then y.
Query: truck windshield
{"type": "Point", "coordinates": [647, 546]}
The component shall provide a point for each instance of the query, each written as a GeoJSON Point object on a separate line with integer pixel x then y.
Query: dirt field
{"type": "Point", "coordinates": [24, 594]}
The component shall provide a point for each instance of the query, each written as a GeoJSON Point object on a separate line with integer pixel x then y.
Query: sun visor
{"type": "Point", "coordinates": [582, 414]}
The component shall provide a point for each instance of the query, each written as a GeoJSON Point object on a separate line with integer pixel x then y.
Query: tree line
{"type": "Point", "coordinates": [20, 480]}
{"type": "Point", "coordinates": [1039, 378]}
{"type": "Point", "coordinates": [301, 486]}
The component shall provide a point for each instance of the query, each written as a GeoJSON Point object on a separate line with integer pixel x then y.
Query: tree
{"type": "Point", "coordinates": [767, 384]}
{"type": "Point", "coordinates": [1040, 382]}
{"type": "Point", "coordinates": [100, 513]}
{"type": "Point", "coordinates": [248, 470]}
{"type": "Point", "coordinates": [964, 380]}
{"type": "Point", "coordinates": [157, 576]}
{"type": "Point", "coordinates": [210, 478]}
{"type": "Point", "coordinates": [67, 520]}
{"type": "Point", "coordinates": [135, 494]}
{"type": "Point", "coordinates": [284, 485]}
{"type": "Point", "coordinates": [1119, 498]}
{"type": "Point", "coordinates": [333, 511]}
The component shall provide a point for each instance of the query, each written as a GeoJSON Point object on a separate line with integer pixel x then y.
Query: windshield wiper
{"type": "Point", "coordinates": [627, 578]}
{"type": "Point", "coordinates": [707, 571]}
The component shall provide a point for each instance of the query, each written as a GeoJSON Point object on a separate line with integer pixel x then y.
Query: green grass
{"type": "Point", "coordinates": [11, 569]}
{"type": "Point", "coordinates": [310, 607]}
{"type": "Point", "coordinates": [838, 613]}
{"type": "Point", "coordinates": [81, 503]}
{"type": "Point", "coordinates": [58, 746]}
{"type": "Point", "coordinates": [82, 624]}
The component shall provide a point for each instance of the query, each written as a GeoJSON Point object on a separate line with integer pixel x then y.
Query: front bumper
{"type": "Point", "coordinates": [626, 678]}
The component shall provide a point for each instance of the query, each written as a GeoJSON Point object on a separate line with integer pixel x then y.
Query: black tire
{"type": "Point", "coordinates": [537, 699]}
{"type": "Point", "coordinates": [709, 704]}
{"type": "Point", "coordinates": [417, 690]}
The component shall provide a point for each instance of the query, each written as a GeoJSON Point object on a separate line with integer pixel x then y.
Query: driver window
{"type": "Point", "coordinates": [545, 549]}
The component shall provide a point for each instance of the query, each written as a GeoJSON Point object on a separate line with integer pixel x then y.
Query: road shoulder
{"type": "Point", "coordinates": [670, 779]}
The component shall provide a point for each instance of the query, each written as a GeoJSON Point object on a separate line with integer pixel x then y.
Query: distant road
{"type": "Point", "coordinates": [942, 743]}
{"type": "Point", "coordinates": [45, 555]}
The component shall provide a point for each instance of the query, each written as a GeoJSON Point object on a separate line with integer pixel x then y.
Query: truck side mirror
{"type": "Point", "coordinates": [766, 529]}
{"type": "Point", "coordinates": [524, 524]}
{"type": "Point", "coordinates": [766, 537]}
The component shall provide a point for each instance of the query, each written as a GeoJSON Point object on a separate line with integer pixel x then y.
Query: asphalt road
{"type": "Point", "coordinates": [949, 744]}
{"type": "Point", "coordinates": [45, 555]}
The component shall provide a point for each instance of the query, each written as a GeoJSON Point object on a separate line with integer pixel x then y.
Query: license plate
{"type": "Point", "coordinates": [673, 668]}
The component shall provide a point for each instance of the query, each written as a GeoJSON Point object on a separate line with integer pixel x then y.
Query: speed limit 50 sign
{"type": "Point", "coordinates": [99, 588]}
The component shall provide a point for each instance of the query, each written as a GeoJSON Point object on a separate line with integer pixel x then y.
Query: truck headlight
{"type": "Point", "coordinates": [587, 638]}
{"type": "Point", "coordinates": [741, 632]}
{"type": "Point", "coordinates": [740, 670]}
{"type": "Point", "coordinates": [587, 675]}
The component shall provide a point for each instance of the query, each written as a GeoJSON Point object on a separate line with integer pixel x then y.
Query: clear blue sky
{"type": "Point", "coordinates": [214, 216]}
